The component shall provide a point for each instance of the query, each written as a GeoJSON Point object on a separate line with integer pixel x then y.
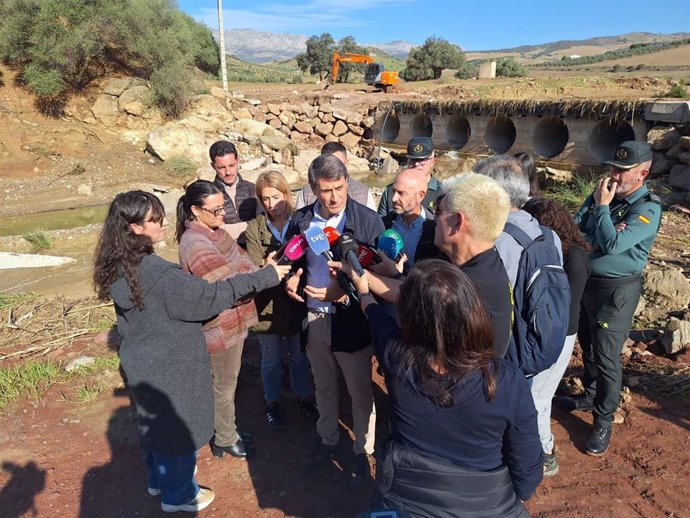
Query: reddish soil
{"type": "Point", "coordinates": [67, 459]}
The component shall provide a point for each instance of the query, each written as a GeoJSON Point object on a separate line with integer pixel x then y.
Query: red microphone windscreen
{"type": "Point", "coordinates": [332, 234]}
{"type": "Point", "coordinates": [366, 256]}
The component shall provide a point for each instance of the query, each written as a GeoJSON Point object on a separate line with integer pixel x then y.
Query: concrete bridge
{"type": "Point", "coordinates": [575, 133]}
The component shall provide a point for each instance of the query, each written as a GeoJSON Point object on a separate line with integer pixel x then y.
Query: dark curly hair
{"type": "Point", "coordinates": [557, 217]}
{"type": "Point", "coordinates": [119, 250]}
{"type": "Point", "coordinates": [445, 327]}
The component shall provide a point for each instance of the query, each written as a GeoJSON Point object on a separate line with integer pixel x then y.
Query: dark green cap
{"type": "Point", "coordinates": [630, 153]}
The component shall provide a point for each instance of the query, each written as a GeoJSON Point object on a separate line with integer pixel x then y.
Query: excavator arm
{"type": "Point", "coordinates": [348, 57]}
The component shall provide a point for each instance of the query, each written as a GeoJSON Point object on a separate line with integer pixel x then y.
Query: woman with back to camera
{"type": "Point", "coordinates": [280, 317]}
{"type": "Point", "coordinates": [576, 265]}
{"type": "Point", "coordinates": [464, 429]}
{"type": "Point", "coordinates": [159, 312]}
{"type": "Point", "coordinates": [208, 251]}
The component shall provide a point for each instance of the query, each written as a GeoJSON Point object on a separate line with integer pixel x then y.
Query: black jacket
{"type": "Point", "coordinates": [349, 329]}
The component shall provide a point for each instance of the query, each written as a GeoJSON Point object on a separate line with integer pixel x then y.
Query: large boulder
{"type": "Point", "coordinates": [660, 165]}
{"type": "Point", "coordinates": [135, 100]}
{"type": "Point", "coordinates": [304, 159]}
{"type": "Point", "coordinates": [349, 140]}
{"type": "Point", "coordinates": [106, 110]}
{"type": "Point", "coordinates": [666, 288]}
{"type": "Point", "coordinates": [176, 139]}
{"type": "Point", "coordinates": [680, 177]}
{"type": "Point", "coordinates": [251, 127]}
{"type": "Point", "coordinates": [209, 107]}
{"type": "Point", "coordinates": [663, 138]}
{"type": "Point", "coordinates": [117, 85]}
{"type": "Point", "coordinates": [676, 335]}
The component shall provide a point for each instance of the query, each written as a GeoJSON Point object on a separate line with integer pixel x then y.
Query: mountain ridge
{"type": "Point", "coordinates": [263, 47]}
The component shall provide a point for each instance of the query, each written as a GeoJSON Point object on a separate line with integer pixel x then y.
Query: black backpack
{"type": "Point", "coordinates": [542, 303]}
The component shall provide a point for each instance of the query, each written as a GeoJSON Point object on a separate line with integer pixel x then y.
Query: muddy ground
{"type": "Point", "coordinates": [65, 458]}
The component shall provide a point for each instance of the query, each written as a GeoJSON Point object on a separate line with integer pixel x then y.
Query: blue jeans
{"type": "Point", "coordinates": [173, 475]}
{"type": "Point", "coordinates": [272, 366]}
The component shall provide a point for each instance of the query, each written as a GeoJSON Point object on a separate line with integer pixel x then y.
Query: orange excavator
{"type": "Point", "coordinates": [374, 74]}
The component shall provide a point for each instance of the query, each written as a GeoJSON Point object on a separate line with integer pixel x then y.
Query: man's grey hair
{"type": "Point", "coordinates": [326, 167]}
{"type": "Point", "coordinates": [507, 171]}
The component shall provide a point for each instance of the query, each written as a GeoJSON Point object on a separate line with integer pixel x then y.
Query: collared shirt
{"type": "Point", "coordinates": [410, 234]}
{"type": "Point", "coordinates": [318, 275]}
{"type": "Point", "coordinates": [279, 235]}
{"type": "Point", "coordinates": [620, 254]}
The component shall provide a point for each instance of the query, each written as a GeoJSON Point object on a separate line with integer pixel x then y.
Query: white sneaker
{"type": "Point", "coordinates": [154, 491]}
{"type": "Point", "coordinates": [201, 501]}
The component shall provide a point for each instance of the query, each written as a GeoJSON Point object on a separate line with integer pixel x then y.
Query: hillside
{"type": "Point", "coordinates": [532, 54]}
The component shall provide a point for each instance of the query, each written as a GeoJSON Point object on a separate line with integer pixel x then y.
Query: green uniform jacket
{"type": "Point", "coordinates": [620, 254]}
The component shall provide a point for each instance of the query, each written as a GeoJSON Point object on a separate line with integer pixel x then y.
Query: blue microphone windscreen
{"type": "Point", "coordinates": [389, 245]}
{"type": "Point", "coordinates": [317, 240]}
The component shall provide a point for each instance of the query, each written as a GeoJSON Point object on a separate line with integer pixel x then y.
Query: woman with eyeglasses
{"type": "Point", "coordinates": [207, 251]}
{"type": "Point", "coordinates": [159, 312]}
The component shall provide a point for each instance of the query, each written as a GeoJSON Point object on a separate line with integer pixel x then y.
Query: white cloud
{"type": "Point", "coordinates": [309, 17]}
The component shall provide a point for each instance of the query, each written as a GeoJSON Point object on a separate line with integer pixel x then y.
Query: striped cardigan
{"type": "Point", "coordinates": [213, 255]}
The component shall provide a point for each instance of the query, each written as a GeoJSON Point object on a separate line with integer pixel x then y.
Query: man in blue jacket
{"type": "Point", "coordinates": [337, 334]}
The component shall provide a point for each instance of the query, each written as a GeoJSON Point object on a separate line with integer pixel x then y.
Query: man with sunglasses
{"type": "Point", "coordinates": [620, 219]}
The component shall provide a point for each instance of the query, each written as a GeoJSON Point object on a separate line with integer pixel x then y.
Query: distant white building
{"type": "Point", "coordinates": [574, 56]}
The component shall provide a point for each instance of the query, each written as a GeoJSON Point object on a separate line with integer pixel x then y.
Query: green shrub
{"type": "Point", "coordinates": [60, 46]}
{"type": "Point", "coordinates": [181, 166]}
{"type": "Point", "coordinates": [574, 193]}
{"type": "Point", "coordinates": [171, 90]}
{"type": "Point", "coordinates": [39, 240]}
{"type": "Point", "coordinates": [296, 79]}
{"type": "Point", "coordinates": [508, 67]}
{"type": "Point", "coordinates": [677, 91]}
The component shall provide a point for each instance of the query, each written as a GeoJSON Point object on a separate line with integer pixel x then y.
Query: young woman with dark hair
{"type": "Point", "coordinates": [207, 251]}
{"type": "Point", "coordinates": [159, 312]}
{"type": "Point", "coordinates": [462, 418]}
{"type": "Point", "coordinates": [576, 265]}
{"type": "Point", "coordinates": [280, 318]}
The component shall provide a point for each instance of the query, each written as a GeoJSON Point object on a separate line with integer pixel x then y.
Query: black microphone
{"type": "Point", "coordinates": [349, 249]}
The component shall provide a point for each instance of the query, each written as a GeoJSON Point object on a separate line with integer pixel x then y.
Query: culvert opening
{"type": "Point", "coordinates": [422, 126]}
{"type": "Point", "coordinates": [606, 135]}
{"type": "Point", "coordinates": [499, 135]}
{"type": "Point", "coordinates": [391, 128]}
{"type": "Point", "coordinates": [549, 137]}
{"type": "Point", "coordinates": [458, 131]}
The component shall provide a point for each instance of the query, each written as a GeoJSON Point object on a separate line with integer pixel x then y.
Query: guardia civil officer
{"type": "Point", "coordinates": [620, 220]}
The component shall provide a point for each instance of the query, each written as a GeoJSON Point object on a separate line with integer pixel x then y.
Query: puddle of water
{"type": "Point", "coordinates": [52, 220]}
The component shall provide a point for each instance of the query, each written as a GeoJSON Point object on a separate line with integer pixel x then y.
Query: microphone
{"type": "Point", "coordinates": [391, 242]}
{"type": "Point", "coordinates": [292, 250]}
{"type": "Point", "coordinates": [349, 249]}
{"type": "Point", "coordinates": [367, 256]}
{"type": "Point", "coordinates": [318, 243]}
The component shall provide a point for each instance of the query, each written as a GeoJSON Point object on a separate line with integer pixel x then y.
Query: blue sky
{"type": "Point", "coordinates": [474, 25]}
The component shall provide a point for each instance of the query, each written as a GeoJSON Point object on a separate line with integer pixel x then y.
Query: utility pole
{"type": "Point", "coordinates": [221, 41]}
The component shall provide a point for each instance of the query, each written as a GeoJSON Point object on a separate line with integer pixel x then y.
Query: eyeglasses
{"type": "Point", "coordinates": [215, 212]}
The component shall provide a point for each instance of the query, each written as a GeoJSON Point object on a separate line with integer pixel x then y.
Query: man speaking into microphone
{"type": "Point", "coordinates": [337, 334]}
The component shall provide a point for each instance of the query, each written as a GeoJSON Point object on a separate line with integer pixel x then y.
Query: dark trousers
{"type": "Point", "coordinates": [608, 306]}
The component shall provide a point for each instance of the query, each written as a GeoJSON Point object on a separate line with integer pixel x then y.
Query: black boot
{"type": "Point", "coordinates": [598, 442]}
